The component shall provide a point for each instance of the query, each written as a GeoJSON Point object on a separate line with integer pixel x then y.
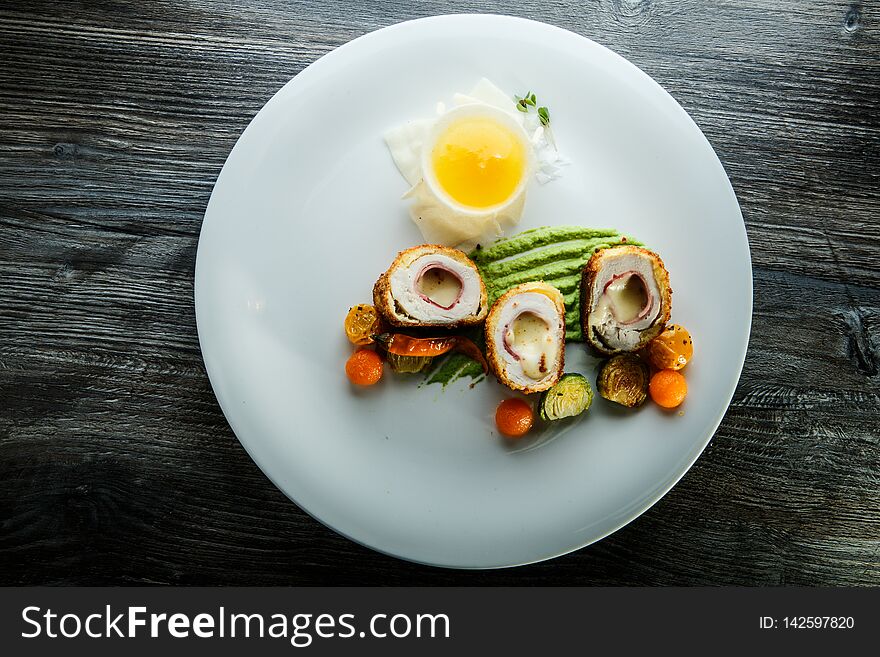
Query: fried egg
{"type": "Point", "coordinates": [469, 166]}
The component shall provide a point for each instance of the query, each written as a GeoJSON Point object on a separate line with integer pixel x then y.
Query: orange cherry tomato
{"type": "Point", "coordinates": [668, 388]}
{"type": "Point", "coordinates": [364, 367]}
{"type": "Point", "coordinates": [514, 417]}
{"type": "Point", "coordinates": [672, 349]}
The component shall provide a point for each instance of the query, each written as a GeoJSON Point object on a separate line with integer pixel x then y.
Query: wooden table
{"type": "Point", "coordinates": [116, 464]}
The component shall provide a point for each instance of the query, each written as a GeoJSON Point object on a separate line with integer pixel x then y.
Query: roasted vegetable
{"type": "Point", "coordinates": [624, 379]}
{"type": "Point", "coordinates": [571, 396]}
{"type": "Point", "coordinates": [514, 417]}
{"type": "Point", "coordinates": [407, 364]}
{"type": "Point", "coordinates": [406, 345]}
{"type": "Point", "coordinates": [668, 388]}
{"type": "Point", "coordinates": [361, 323]}
{"type": "Point", "coordinates": [672, 349]}
{"type": "Point", "coordinates": [364, 367]}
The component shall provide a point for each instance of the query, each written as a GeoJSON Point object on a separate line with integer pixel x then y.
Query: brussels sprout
{"type": "Point", "coordinates": [571, 396]}
{"type": "Point", "coordinates": [407, 364]}
{"type": "Point", "coordinates": [624, 379]}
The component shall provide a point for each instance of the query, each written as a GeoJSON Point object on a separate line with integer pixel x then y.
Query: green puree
{"type": "Point", "coordinates": [553, 254]}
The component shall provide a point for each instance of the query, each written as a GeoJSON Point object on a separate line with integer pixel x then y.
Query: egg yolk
{"type": "Point", "coordinates": [478, 162]}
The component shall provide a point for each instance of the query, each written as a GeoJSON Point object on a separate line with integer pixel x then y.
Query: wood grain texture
{"type": "Point", "coordinates": [116, 464]}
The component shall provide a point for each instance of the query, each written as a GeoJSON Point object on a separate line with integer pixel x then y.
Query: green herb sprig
{"type": "Point", "coordinates": [544, 115]}
{"type": "Point", "coordinates": [523, 103]}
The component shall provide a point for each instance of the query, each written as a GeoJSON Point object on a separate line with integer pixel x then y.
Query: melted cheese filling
{"type": "Point", "coordinates": [531, 339]}
{"type": "Point", "coordinates": [440, 286]}
{"type": "Point", "coordinates": [626, 296]}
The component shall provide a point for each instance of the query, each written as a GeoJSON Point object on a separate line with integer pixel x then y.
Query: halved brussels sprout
{"type": "Point", "coordinates": [624, 379]}
{"type": "Point", "coordinates": [407, 364]}
{"type": "Point", "coordinates": [571, 396]}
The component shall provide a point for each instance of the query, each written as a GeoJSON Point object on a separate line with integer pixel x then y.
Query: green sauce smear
{"type": "Point", "coordinates": [553, 254]}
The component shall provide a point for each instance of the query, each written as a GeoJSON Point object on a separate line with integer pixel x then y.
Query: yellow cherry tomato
{"type": "Point", "coordinates": [361, 323]}
{"type": "Point", "coordinates": [672, 349]}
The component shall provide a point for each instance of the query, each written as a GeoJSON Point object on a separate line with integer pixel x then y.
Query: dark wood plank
{"type": "Point", "coordinates": [117, 464]}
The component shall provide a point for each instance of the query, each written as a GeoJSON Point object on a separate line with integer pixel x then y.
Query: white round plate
{"type": "Point", "coordinates": [307, 213]}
